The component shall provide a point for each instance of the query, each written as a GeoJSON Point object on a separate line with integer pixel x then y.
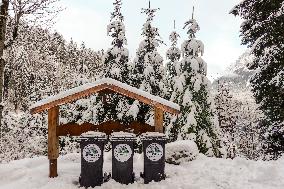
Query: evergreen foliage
{"type": "Point", "coordinates": [116, 65]}
{"type": "Point", "coordinates": [262, 30]}
{"type": "Point", "coordinates": [191, 91]}
{"type": "Point", "coordinates": [173, 54]}
{"type": "Point", "coordinates": [227, 113]}
{"type": "Point", "coordinates": [148, 70]}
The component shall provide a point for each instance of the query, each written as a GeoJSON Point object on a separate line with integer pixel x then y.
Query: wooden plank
{"type": "Point", "coordinates": [101, 88]}
{"type": "Point", "coordinates": [53, 143]}
{"type": "Point", "coordinates": [74, 129]}
{"type": "Point", "coordinates": [159, 120]}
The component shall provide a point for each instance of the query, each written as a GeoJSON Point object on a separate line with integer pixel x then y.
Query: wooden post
{"type": "Point", "coordinates": [159, 120]}
{"type": "Point", "coordinates": [53, 144]}
{"type": "Point", "coordinates": [53, 168]}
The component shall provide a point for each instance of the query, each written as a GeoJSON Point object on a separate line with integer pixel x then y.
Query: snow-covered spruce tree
{"type": "Point", "coordinates": [248, 130]}
{"type": "Point", "coordinates": [191, 91]}
{"type": "Point", "coordinates": [174, 55]}
{"type": "Point", "coordinates": [262, 30]}
{"type": "Point", "coordinates": [148, 71]}
{"type": "Point", "coordinates": [227, 113]}
{"type": "Point", "coordinates": [115, 66]}
{"type": "Point", "coordinates": [115, 60]}
{"type": "Point", "coordinates": [225, 107]}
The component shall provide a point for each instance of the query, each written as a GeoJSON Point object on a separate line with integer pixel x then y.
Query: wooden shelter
{"type": "Point", "coordinates": [103, 86]}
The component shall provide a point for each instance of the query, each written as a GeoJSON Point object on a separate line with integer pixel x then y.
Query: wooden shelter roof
{"type": "Point", "coordinates": [100, 86]}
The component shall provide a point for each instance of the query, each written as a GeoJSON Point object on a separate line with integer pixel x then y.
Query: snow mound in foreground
{"type": "Point", "coordinates": [204, 172]}
{"type": "Point", "coordinates": [181, 151]}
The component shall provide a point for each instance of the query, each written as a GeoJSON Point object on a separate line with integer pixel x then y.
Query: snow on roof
{"type": "Point", "coordinates": [104, 81]}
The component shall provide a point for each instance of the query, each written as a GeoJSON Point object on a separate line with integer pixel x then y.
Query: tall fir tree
{"type": "Point", "coordinates": [225, 106]}
{"type": "Point", "coordinates": [148, 72]}
{"type": "Point", "coordinates": [116, 66]}
{"type": "Point", "coordinates": [174, 55]}
{"type": "Point", "coordinates": [227, 112]}
{"type": "Point", "coordinates": [116, 58]}
{"type": "Point", "coordinates": [262, 30]}
{"type": "Point", "coordinates": [191, 91]}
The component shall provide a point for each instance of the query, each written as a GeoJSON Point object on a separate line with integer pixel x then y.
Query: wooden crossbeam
{"type": "Point", "coordinates": [74, 129]}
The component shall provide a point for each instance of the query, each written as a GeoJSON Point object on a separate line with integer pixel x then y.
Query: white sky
{"type": "Point", "coordinates": [86, 20]}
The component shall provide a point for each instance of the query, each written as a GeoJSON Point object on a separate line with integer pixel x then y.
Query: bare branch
{"type": "Point", "coordinates": [33, 12]}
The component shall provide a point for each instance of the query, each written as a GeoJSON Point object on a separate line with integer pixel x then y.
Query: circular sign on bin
{"type": "Point", "coordinates": [91, 153]}
{"type": "Point", "coordinates": [122, 152]}
{"type": "Point", "coordinates": [154, 152]}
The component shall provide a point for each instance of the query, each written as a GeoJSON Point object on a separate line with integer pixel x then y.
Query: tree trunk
{"type": "Point", "coordinates": [3, 21]}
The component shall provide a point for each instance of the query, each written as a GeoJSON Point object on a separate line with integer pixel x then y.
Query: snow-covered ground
{"type": "Point", "coordinates": [202, 173]}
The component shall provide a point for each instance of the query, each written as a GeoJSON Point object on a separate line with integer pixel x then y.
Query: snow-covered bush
{"type": "Point", "coordinates": [181, 151]}
{"type": "Point", "coordinates": [22, 136]}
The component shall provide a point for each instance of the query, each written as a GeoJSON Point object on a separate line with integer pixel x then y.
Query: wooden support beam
{"type": "Point", "coordinates": [53, 143]}
{"type": "Point", "coordinates": [159, 120]}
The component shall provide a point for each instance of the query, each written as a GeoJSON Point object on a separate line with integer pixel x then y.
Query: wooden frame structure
{"type": "Point", "coordinates": [55, 130]}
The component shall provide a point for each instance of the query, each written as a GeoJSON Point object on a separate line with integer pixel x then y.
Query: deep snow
{"type": "Point", "coordinates": [202, 173]}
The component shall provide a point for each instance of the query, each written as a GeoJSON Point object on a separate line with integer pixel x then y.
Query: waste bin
{"type": "Point", "coordinates": [122, 157]}
{"type": "Point", "coordinates": [92, 150]}
{"type": "Point", "coordinates": [154, 156]}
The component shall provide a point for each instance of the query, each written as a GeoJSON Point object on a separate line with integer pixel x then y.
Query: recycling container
{"type": "Point", "coordinates": [92, 148]}
{"type": "Point", "coordinates": [122, 157]}
{"type": "Point", "coordinates": [154, 156]}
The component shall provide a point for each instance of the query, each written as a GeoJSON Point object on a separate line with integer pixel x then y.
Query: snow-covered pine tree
{"type": "Point", "coordinates": [247, 134]}
{"type": "Point", "coordinates": [148, 72]}
{"type": "Point", "coordinates": [262, 30]}
{"type": "Point", "coordinates": [174, 55]}
{"type": "Point", "coordinates": [82, 71]}
{"type": "Point", "coordinates": [191, 91]}
{"type": "Point", "coordinates": [115, 60]}
{"type": "Point", "coordinates": [116, 66]}
{"type": "Point", "coordinates": [227, 112]}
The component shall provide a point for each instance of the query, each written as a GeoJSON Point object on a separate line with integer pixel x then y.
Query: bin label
{"type": "Point", "coordinates": [91, 153]}
{"type": "Point", "coordinates": [122, 152]}
{"type": "Point", "coordinates": [154, 152]}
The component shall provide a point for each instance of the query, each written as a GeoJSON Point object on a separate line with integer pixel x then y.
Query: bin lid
{"type": "Point", "coordinates": [93, 134]}
{"type": "Point", "coordinates": [122, 136]}
{"type": "Point", "coordinates": [153, 136]}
